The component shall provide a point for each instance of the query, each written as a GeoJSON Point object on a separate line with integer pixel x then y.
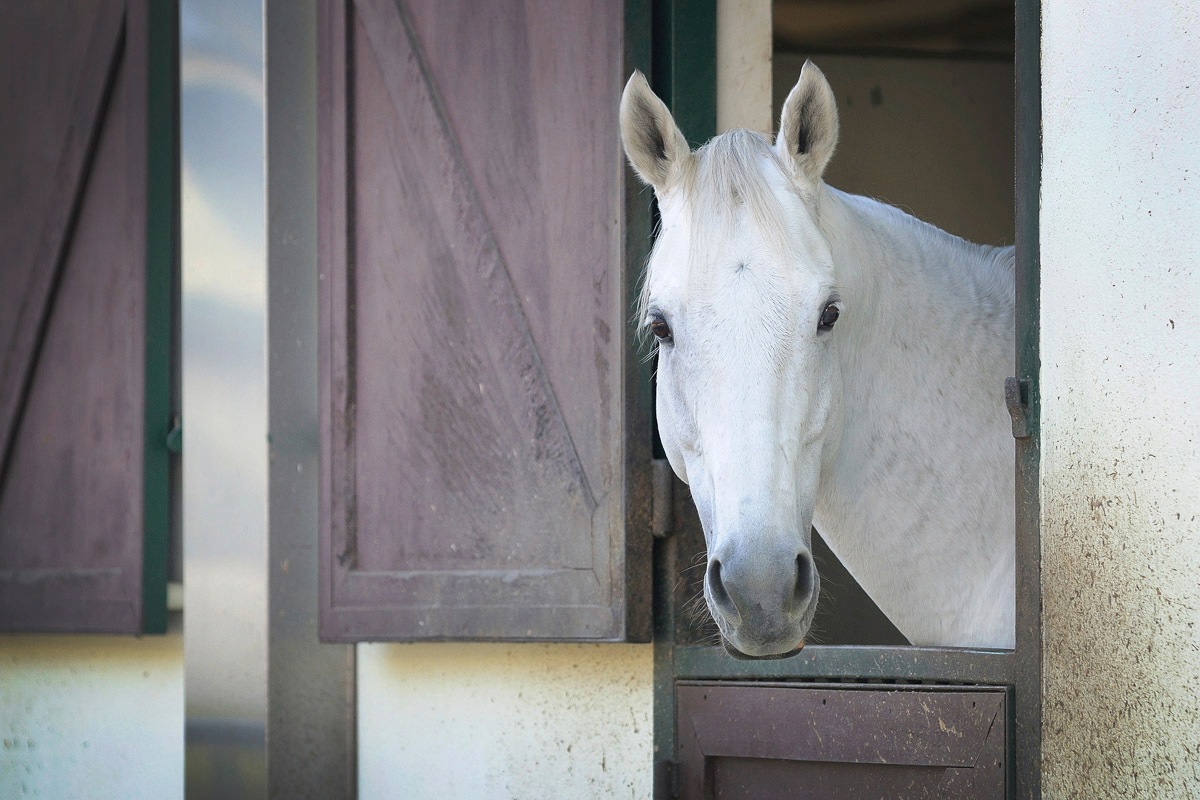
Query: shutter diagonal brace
{"type": "Point", "coordinates": [79, 148]}
{"type": "Point", "coordinates": [400, 59]}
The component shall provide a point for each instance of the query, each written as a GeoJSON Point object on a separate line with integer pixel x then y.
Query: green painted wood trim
{"type": "Point", "coordinates": [685, 64]}
{"type": "Point", "coordinates": [162, 238]}
{"type": "Point", "coordinates": [683, 72]}
{"type": "Point", "coordinates": [638, 373]}
{"type": "Point", "coordinates": [1027, 730]}
{"type": "Point", "coordinates": [854, 663]}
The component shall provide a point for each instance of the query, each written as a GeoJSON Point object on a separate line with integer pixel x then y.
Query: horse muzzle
{"type": "Point", "coordinates": [762, 603]}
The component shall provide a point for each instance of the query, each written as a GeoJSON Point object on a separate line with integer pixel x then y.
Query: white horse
{"type": "Point", "coordinates": [825, 359]}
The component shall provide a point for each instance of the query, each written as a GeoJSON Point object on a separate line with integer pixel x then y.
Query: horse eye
{"type": "Point", "coordinates": [660, 328]}
{"type": "Point", "coordinates": [828, 317]}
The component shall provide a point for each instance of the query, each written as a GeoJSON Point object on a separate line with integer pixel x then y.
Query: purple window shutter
{"type": "Point", "coordinates": [73, 316]}
{"type": "Point", "coordinates": [476, 418]}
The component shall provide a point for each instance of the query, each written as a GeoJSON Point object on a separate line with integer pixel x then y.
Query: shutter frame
{"type": "Point", "coordinates": [465, 600]}
{"type": "Point", "coordinates": [68, 568]}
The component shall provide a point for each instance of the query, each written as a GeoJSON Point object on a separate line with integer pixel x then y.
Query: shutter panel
{"type": "Point", "coordinates": [848, 741]}
{"type": "Point", "coordinates": [74, 337]}
{"type": "Point", "coordinates": [475, 355]}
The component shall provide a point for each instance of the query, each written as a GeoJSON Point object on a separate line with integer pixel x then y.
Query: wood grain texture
{"type": "Point", "coordinates": [778, 740]}
{"type": "Point", "coordinates": [51, 152]}
{"type": "Point", "coordinates": [72, 327]}
{"type": "Point", "coordinates": [473, 303]}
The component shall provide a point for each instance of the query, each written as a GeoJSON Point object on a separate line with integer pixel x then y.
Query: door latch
{"type": "Point", "coordinates": [175, 436]}
{"type": "Point", "coordinates": [661, 510]}
{"type": "Point", "coordinates": [1016, 397]}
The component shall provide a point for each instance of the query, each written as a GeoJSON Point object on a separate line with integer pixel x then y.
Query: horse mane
{"type": "Point", "coordinates": [981, 276]}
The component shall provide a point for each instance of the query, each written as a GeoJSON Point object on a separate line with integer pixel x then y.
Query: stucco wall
{"type": "Point", "coordinates": [744, 65]}
{"type": "Point", "coordinates": [500, 721]}
{"type": "Point", "coordinates": [1120, 346]}
{"type": "Point", "coordinates": [91, 717]}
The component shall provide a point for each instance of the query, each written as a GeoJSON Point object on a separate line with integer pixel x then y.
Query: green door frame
{"type": "Point", "coordinates": [684, 74]}
{"type": "Point", "coordinates": [161, 412]}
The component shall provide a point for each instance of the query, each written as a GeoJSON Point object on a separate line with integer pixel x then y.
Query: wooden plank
{"type": "Point", "coordinates": [470, 426]}
{"type": "Point", "coordinates": [878, 726]}
{"type": "Point", "coordinates": [761, 739]}
{"type": "Point", "coordinates": [854, 662]}
{"type": "Point", "coordinates": [72, 479]}
{"type": "Point", "coordinates": [755, 778]}
{"type": "Point", "coordinates": [25, 320]}
{"type": "Point", "coordinates": [473, 308]}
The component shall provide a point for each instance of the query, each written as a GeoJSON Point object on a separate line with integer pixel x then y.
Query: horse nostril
{"type": "Point", "coordinates": [804, 580]}
{"type": "Point", "coordinates": [718, 592]}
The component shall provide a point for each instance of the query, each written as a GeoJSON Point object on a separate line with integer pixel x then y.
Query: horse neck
{"type": "Point", "coordinates": [923, 451]}
{"type": "Point", "coordinates": [911, 277]}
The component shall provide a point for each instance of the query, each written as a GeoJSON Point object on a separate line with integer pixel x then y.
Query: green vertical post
{"type": "Point", "coordinates": [685, 64]}
{"type": "Point", "coordinates": [162, 237]}
{"type": "Point", "coordinates": [684, 74]}
{"type": "Point", "coordinates": [1027, 691]}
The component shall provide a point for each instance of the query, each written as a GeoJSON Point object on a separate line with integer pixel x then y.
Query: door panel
{"type": "Point", "coordinates": [789, 740]}
{"type": "Point", "coordinates": [74, 337]}
{"type": "Point", "coordinates": [473, 307]}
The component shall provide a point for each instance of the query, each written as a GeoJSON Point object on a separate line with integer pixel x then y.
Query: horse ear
{"type": "Point", "coordinates": [808, 127]}
{"type": "Point", "coordinates": [653, 143]}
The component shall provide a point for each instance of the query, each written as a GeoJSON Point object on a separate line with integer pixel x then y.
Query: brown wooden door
{"type": "Point", "coordinates": [82, 479]}
{"type": "Point", "coordinates": [766, 741]}
{"type": "Point", "coordinates": [484, 449]}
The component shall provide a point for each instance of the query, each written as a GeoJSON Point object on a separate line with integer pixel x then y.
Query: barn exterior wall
{"type": "Point", "coordinates": [744, 65]}
{"type": "Point", "coordinates": [495, 720]}
{"type": "Point", "coordinates": [1120, 350]}
{"type": "Point", "coordinates": [91, 716]}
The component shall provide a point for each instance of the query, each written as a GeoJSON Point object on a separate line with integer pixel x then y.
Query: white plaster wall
{"type": "Point", "coordinates": [1120, 347]}
{"type": "Point", "coordinates": [505, 721]}
{"type": "Point", "coordinates": [744, 65]}
{"type": "Point", "coordinates": [97, 717]}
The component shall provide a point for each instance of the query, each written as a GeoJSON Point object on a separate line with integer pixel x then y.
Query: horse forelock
{"type": "Point", "coordinates": [738, 172]}
{"type": "Point", "coordinates": [733, 177]}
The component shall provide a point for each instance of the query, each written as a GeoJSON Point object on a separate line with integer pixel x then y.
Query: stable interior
{"type": "Point", "coordinates": [926, 105]}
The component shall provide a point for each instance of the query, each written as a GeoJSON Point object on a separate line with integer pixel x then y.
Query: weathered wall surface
{"type": "Point", "coordinates": [744, 65]}
{"type": "Point", "coordinates": [91, 716]}
{"type": "Point", "coordinates": [1120, 347]}
{"type": "Point", "coordinates": [492, 720]}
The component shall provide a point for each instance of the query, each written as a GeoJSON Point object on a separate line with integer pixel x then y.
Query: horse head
{"type": "Point", "coordinates": [741, 299]}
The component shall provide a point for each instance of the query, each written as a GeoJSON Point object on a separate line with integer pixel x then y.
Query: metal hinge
{"type": "Point", "coordinates": [661, 510]}
{"type": "Point", "coordinates": [175, 436]}
{"type": "Point", "coordinates": [1016, 397]}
